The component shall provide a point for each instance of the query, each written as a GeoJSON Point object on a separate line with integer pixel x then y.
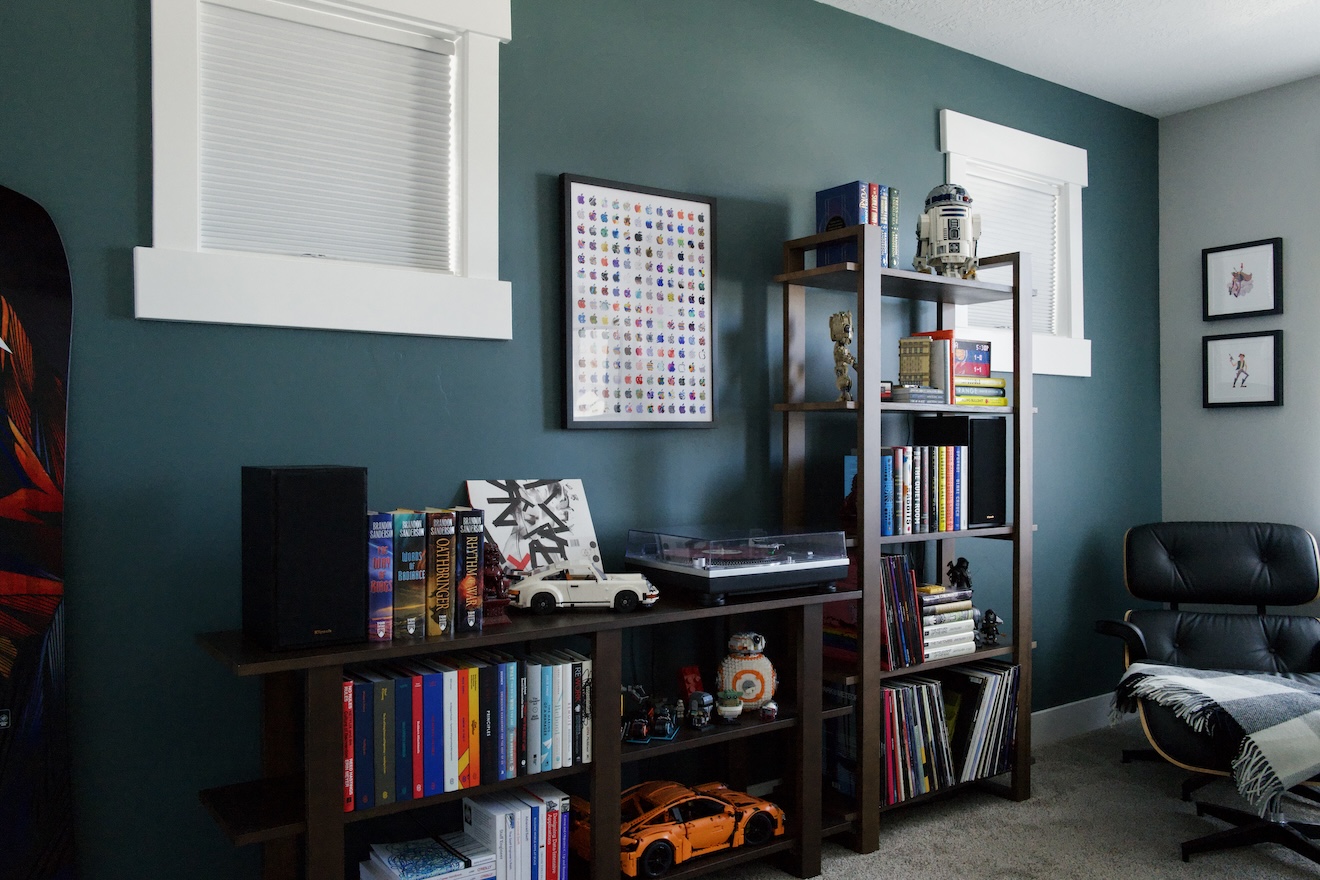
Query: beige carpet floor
{"type": "Point", "coordinates": [1089, 816]}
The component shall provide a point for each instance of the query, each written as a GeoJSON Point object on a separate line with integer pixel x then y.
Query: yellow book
{"type": "Point", "coordinates": [977, 400]}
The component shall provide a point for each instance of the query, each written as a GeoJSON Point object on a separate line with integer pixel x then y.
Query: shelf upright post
{"type": "Point", "coordinates": [281, 755]}
{"type": "Point", "coordinates": [324, 775]}
{"type": "Point", "coordinates": [606, 780]}
{"type": "Point", "coordinates": [810, 741]}
{"type": "Point", "coordinates": [795, 390]}
{"type": "Point", "coordinates": [870, 278]}
{"type": "Point", "coordinates": [1023, 517]}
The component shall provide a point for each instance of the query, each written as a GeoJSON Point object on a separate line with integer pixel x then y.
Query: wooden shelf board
{"type": "Point", "coordinates": [717, 861]}
{"type": "Point", "coordinates": [675, 606]}
{"type": "Point", "coordinates": [717, 733]}
{"type": "Point", "coordinates": [988, 532]}
{"type": "Point", "coordinates": [978, 654]}
{"type": "Point", "coordinates": [837, 712]}
{"type": "Point", "coordinates": [854, 406]}
{"type": "Point", "coordinates": [498, 785]}
{"type": "Point", "coordinates": [258, 811]}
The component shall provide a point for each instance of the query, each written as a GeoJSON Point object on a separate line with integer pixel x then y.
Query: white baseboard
{"type": "Point", "coordinates": [1069, 720]}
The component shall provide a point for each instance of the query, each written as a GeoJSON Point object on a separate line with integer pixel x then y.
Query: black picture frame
{"type": "Point", "coordinates": [639, 306]}
{"type": "Point", "coordinates": [1242, 369]}
{"type": "Point", "coordinates": [1242, 280]}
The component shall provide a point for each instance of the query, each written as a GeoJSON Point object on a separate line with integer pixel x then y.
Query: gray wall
{"type": "Point", "coordinates": [1240, 171]}
{"type": "Point", "coordinates": [756, 102]}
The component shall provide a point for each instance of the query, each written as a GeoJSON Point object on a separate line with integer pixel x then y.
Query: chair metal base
{"type": "Point", "coordinates": [1251, 829]}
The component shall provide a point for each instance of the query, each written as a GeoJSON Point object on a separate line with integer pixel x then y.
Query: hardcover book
{"type": "Point", "coordinates": [441, 546]}
{"type": "Point", "coordinates": [837, 208]}
{"type": "Point", "coordinates": [470, 571]}
{"type": "Point", "coordinates": [409, 574]}
{"type": "Point", "coordinates": [536, 523]}
{"type": "Point", "coordinates": [971, 358]}
{"type": "Point", "coordinates": [380, 579]}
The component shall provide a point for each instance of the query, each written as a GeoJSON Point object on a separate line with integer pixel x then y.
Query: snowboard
{"type": "Point", "coordinates": [36, 305]}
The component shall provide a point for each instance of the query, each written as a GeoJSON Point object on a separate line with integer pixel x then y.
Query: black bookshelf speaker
{"type": "Point", "coordinates": [304, 556]}
{"type": "Point", "coordinates": [986, 440]}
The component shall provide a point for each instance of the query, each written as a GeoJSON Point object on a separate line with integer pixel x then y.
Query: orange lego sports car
{"type": "Point", "coordinates": [665, 824]}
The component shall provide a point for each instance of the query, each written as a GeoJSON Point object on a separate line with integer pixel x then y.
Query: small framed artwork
{"type": "Point", "coordinates": [639, 272]}
{"type": "Point", "coordinates": [1242, 369]}
{"type": "Point", "coordinates": [1242, 280]}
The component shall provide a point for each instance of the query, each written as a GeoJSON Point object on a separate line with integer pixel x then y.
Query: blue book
{"type": "Point", "coordinates": [433, 728]}
{"type": "Point", "coordinates": [547, 716]}
{"type": "Point", "coordinates": [403, 765]}
{"type": "Point", "coordinates": [837, 208]}
{"type": "Point", "coordinates": [887, 493]}
{"type": "Point", "coordinates": [364, 746]}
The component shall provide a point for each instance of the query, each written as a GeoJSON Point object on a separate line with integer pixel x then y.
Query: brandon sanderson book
{"type": "Point", "coordinates": [469, 576]}
{"type": "Point", "coordinates": [409, 574]}
{"type": "Point", "coordinates": [380, 576]}
{"type": "Point", "coordinates": [441, 546]}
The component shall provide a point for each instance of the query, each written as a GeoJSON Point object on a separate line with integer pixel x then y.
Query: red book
{"type": "Point", "coordinates": [418, 725]}
{"type": "Point", "coordinates": [466, 770]}
{"type": "Point", "coordinates": [873, 209]}
{"type": "Point", "coordinates": [348, 745]}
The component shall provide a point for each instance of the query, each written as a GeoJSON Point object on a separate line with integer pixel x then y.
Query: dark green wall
{"type": "Point", "coordinates": [756, 102]}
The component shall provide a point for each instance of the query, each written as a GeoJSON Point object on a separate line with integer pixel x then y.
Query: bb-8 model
{"type": "Point", "coordinates": [747, 670]}
{"type": "Point", "coordinates": [947, 233]}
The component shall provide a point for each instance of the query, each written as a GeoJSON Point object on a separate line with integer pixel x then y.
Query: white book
{"type": "Point", "coordinates": [482, 859]}
{"type": "Point", "coordinates": [952, 627]}
{"type": "Point", "coordinates": [538, 832]}
{"type": "Point", "coordinates": [533, 716]}
{"type": "Point", "coordinates": [954, 649]}
{"type": "Point", "coordinates": [520, 853]}
{"type": "Point", "coordinates": [491, 822]}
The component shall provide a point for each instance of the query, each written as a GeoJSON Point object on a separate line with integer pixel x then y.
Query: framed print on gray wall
{"type": "Point", "coordinates": [639, 271]}
{"type": "Point", "coordinates": [1242, 369]}
{"type": "Point", "coordinates": [1242, 280]}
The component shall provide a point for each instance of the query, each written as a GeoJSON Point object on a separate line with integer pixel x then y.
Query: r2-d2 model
{"type": "Point", "coordinates": [947, 233]}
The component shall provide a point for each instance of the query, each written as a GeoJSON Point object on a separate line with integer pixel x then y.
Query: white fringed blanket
{"type": "Point", "coordinates": [1279, 717]}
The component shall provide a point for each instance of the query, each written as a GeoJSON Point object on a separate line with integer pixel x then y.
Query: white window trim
{"type": "Point", "coordinates": [177, 280]}
{"type": "Point", "coordinates": [967, 140]}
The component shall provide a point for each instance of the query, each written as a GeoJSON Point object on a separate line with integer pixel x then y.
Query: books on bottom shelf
{"type": "Point", "coordinates": [526, 828]}
{"type": "Point", "coordinates": [939, 728]}
{"type": "Point", "coordinates": [454, 856]}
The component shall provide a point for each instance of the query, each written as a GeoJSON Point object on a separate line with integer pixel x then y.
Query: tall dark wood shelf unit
{"type": "Point", "coordinates": [295, 810]}
{"type": "Point", "coordinates": [861, 817]}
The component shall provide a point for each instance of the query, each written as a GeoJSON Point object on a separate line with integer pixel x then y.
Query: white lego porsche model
{"type": "Point", "coordinates": [581, 585]}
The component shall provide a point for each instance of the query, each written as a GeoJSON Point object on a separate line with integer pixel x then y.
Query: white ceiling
{"type": "Point", "coordinates": [1156, 56]}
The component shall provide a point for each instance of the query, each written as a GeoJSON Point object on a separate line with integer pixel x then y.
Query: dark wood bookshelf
{"type": "Point", "coordinates": [300, 794]}
{"type": "Point", "coordinates": [873, 283]}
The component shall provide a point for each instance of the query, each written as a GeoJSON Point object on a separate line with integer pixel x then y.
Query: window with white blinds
{"type": "Point", "coordinates": [329, 164]}
{"type": "Point", "coordinates": [1028, 192]}
{"type": "Point", "coordinates": [1017, 214]}
{"type": "Point", "coordinates": [324, 143]}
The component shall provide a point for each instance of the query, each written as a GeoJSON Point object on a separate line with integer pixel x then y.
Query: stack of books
{"type": "Point", "coordinates": [917, 394]}
{"type": "Point", "coordinates": [947, 627]}
{"type": "Point", "coordinates": [455, 856]}
{"type": "Point", "coordinates": [958, 369]}
{"type": "Point", "coordinates": [859, 203]}
{"type": "Point", "coordinates": [978, 391]}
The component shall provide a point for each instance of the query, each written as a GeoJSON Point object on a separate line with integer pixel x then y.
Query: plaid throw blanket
{"type": "Point", "coordinates": [1279, 717]}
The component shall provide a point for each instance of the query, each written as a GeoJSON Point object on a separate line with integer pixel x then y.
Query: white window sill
{"type": "Point", "coordinates": [279, 291]}
{"type": "Point", "coordinates": [1050, 355]}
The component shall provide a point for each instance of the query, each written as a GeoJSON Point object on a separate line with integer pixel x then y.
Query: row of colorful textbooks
{"type": "Point", "coordinates": [425, 572]}
{"type": "Point", "coordinates": [417, 728]}
{"type": "Point", "coordinates": [923, 489]}
{"type": "Point", "coordinates": [859, 203]}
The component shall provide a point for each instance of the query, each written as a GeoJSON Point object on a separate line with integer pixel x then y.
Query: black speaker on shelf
{"type": "Point", "coordinates": [304, 555]}
{"type": "Point", "coordinates": [986, 440]}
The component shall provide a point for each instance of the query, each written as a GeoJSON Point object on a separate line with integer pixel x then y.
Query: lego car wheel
{"type": "Point", "coordinates": [543, 603]}
{"type": "Point", "coordinates": [760, 828]}
{"type": "Point", "coordinates": [625, 601]}
{"type": "Point", "coordinates": [657, 859]}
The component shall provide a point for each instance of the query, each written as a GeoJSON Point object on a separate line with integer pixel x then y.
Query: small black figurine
{"type": "Point", "coordinates": [959, 579]}
{"type": "Point", "coordinates": [987, 636]}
